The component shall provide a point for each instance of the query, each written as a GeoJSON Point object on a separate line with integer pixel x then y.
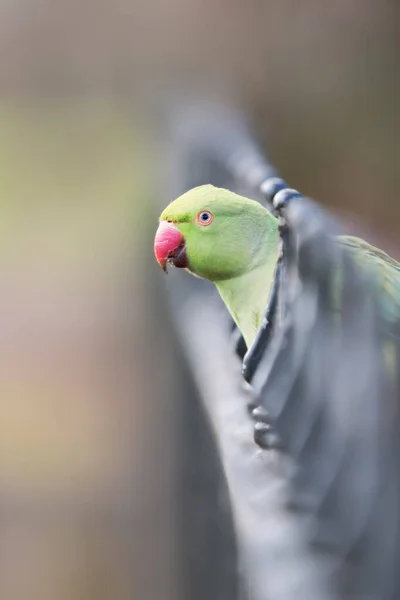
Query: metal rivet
{"type": "Point", "coordinates": [272, 186]}
{"type": "Point", "coordinates": [284, 196]}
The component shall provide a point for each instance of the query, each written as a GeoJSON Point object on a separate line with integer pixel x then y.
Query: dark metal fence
{"type": "Point", "coordinates": [307, 426]}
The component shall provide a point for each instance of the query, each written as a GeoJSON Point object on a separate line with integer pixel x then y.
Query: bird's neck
{"type": "Point", "coordinates": [246, 296]}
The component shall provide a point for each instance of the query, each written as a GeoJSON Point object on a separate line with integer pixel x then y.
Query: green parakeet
{"type": "Point", "coordinates": [234, 242]}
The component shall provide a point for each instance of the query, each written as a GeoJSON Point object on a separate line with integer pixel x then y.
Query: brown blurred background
{"type": "Point", "coordinates": [90, 377]}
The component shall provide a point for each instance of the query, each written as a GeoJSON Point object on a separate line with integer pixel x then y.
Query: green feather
{"type": "Point", "coordinates": [382, 274]}
{"type": "Point", "coordinates": [381, 271]}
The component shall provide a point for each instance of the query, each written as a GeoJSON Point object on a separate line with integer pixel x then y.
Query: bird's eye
{"type": "Point", "coordinates": [205, 217]}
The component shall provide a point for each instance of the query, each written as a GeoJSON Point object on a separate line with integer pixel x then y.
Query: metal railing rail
{"type": "Point", "coordinates": [312, 521]}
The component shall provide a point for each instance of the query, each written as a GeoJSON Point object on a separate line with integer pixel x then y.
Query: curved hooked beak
{"type": "Point", "coordinates": [169, 246]}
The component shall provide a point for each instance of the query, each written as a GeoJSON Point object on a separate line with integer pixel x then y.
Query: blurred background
{"type": "Point", "coordinates": [97, 446]}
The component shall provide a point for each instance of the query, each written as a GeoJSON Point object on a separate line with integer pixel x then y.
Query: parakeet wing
{"type": "Point", "coordinates": [382, 271]}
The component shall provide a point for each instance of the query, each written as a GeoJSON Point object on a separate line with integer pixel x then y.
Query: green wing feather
{"type": "Point", "coordinates": [381, 270]}
{"type": "Point", "coordinates": [383, 273]}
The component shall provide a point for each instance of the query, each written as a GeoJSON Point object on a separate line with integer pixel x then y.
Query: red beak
{"type": "Point", "coordinates": [168, 243]}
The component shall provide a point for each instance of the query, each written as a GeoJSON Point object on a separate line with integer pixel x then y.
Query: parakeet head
{"type": "Point", "coordinates": [212, 232]}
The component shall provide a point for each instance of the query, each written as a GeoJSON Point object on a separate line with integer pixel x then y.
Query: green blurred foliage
{"type": "Point", "coordinates": [76, 460]}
